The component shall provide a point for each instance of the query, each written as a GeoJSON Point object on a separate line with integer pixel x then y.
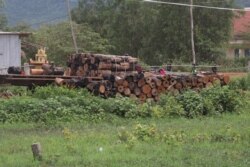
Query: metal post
{"type": "Point", "coordinates": [192, 32]}
{"type": "Point", "coordinates": [71, 25]}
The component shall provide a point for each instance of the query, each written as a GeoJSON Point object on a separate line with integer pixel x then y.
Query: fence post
{"type": "Point", "coordinates": [37, 151]}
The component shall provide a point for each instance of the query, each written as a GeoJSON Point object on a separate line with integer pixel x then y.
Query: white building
{"type": "Point", "coordinates": [10, 50]}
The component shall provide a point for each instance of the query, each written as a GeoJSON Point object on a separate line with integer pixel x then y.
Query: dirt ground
{"type": "Point", "coordinates": [235, 74]}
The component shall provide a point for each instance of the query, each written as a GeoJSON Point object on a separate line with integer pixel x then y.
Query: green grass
{"type": "Point", "coordinates": [80, 145]}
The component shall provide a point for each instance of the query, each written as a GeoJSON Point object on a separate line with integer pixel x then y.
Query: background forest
{"type": "Point", "coordinates": [156, 34]}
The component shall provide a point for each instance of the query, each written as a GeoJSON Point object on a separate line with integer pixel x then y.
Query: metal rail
{"type": "Point", "coordinates": [38, 80]}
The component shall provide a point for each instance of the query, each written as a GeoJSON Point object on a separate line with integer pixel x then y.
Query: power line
{"type": "Point", "coordinates": [197, 6]}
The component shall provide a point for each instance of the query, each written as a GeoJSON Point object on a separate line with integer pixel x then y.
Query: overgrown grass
{"type": "Point", "coordinates": [210, 141]}
{"type": "Point", "coordinates": [77, 129]}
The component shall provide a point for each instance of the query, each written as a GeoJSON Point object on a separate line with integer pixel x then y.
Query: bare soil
{"type": "Point", "coordinates": [235, 74]}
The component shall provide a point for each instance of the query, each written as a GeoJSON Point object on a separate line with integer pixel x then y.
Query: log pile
{"type": "Point", "coordinates": [120, 78]}
{"type": "Point", "coordinates": [151, 87]}
{"type": "Point", "coordinates": [99, 65]}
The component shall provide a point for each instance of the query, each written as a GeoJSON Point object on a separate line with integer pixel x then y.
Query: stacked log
{"type": "Point", "coordinates": [147, 87]}
{"type": "Point", "coordinates": [120, 78]}
{"type": "Point", "coordinates": [153, 86]}
{"type": "Point", "coordinates": [99, 65]}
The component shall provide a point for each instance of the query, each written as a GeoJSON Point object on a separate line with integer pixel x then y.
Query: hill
{"type": "Point", "coordinates": [36, 12]}
{"type": "Point", "coordinates": [243, 3]}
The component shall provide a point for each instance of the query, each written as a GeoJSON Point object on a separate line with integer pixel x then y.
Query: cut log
{"type": "Point", "coordinates": [154, 92]}
{"type": "Point", "coordinates": [194, 82]}
{"type": "Point", "coordinates": [67, 72]}
{"type": "Point", "coordinates": [92, 60]}
{"type": "Point", "coordinates": [104, 73]}
{"type": "Point", "coordinates": [165, 84]}
{"type": "Point", "coordinates": [137, 91]}
{"type": "Point", "coordinates": [178, 86]}
{"type": "Point", "coordinates": [203, 78]}
{"type": "Point", "coordinates": [146, 89]}
{"type": "Point", "coordinates": [127, 91]}
{"type": "Point", "coordinates": [59, 81]}
{"type": "Point", "coordinates": [102, 89]}
{"type": "Point", "coordinates": [226, 79]}
{"type": "Point", "coordinates": [141, 82]}
{"type": "Point", "coordinates": [152, 85]}
{"type": "Point", "coordinates": [80, 72]}
{"type": "Point", "coordinates": [200, 85]}
{"type": "Point", "coordinates": [161, 89]}
{"type": "Point", "coordinates": [125, 83]}
{"type": "Point", "coordinates": [148, 80]}
{"type": "Point", "coordinates": [105, 66]}
{"type": "Point", "coordinates": [119, 82]}
{"type": "Point", "coordinates": [165, 77]}
{"type": "Point", "coordinates": [120, 88]}
{"type": "Point", "coordinates": [157, 81]}
{"type": "Point", "coordinates": [131, 85]}
{"type": "Point", "coordinates": [86, 67]}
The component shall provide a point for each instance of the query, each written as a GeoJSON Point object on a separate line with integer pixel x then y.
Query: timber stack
{"type": "Point", "coordinates": [120, 78]}
{"type": "Point", "coordinates": [99, 65]}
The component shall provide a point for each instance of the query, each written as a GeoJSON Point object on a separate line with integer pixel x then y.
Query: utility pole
{"type": "Point", "coordinates": [71, 25]}
{"type": "Point", "coordinates": [192, 32]}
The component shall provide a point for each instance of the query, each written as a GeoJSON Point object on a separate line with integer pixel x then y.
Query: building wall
{"type": "Point", "coordinates": [238, 49]}
{"type": "Point", "coordinates": [10, 52]}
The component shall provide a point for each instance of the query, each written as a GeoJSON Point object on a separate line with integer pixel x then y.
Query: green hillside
{"type": "Point", "coordinates": [36, 12]}
{"type": "Point", "coordinates": [243, 3]}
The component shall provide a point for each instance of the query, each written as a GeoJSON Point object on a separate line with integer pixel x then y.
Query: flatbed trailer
{"type": "Point", "coordinates": [37, 80]}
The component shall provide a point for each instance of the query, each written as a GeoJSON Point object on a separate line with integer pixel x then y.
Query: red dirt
{"type": "Point", "coordinates": [235, 74]}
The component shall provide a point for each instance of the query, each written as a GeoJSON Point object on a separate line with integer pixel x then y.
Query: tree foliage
{"type": "Point", "coordinates": [3, 19]}
{"type": "Point", "coordinates": [58, 41]}
{"type": "Point", "coordinates": [158, 33]}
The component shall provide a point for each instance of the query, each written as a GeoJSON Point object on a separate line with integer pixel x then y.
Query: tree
{"type": "Point", "coordinates": [158, 33]}
{"type": "Point", "coordinates": [3, 19]}
{"type": "Point", "coordinates": [58, 40]}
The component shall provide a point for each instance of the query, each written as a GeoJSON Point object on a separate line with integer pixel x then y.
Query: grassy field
{"type": "Point", "coordinates": [223, 141]}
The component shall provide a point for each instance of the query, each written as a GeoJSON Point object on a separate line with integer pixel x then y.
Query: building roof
{"type": "Point", "coordinates": [22, 34]}
{"type": "Point", "coordinates": [241, 23]}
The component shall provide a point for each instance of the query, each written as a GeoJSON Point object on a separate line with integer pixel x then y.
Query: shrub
{"type": "Point", "coordinates": [223, 99]}
{"type": "Point", "coordinates": [171, 107]}
{"type": "Point", "coordinates": [241, 83]}
{"type": "Point", "coordinates": [53, 91]}
{"type": "Point", "coordinates": [52, 104]}
{"type": "Point", "coordinates": [192, 102]}
{"type": "Point", "coordinates": [145, 132]}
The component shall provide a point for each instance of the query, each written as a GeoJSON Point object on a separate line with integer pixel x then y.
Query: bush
{"type": "Point", "coordinates": [192, 102]}
{"type": "Point", "coordinates": [171, 107]}
{"type": "Point", "coordinates": [241, 83]}
{"type": "Point", "coordinates": [54, 91]}
{"type": "Point", "coordinates": [223, 99]}
{"type": "Point", "coordinates": [52, 104]}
